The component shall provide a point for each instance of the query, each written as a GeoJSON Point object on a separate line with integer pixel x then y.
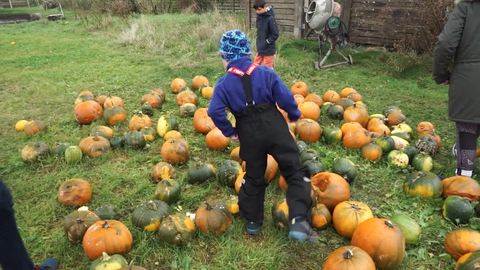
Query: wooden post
{"type": "Point", "coordinates": [297, 25]}
{"type": "Point", "coordinates": [10, 2]}
{"type": "Point", "coordinates": [28, 3]}
{"type": "Point", "coordinates": [248, 15]}
{"type": "Point", "coordinates": [346, 13]}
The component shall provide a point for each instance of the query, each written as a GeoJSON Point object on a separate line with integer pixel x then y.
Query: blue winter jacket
{"type": "Point", "coordinates": [267, 87]}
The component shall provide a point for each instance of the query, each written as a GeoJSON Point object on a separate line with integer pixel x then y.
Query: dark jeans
{"type": "Point", "coordinates": [13, 255]}
{"type": "Point", "coordinates": [262, 131]}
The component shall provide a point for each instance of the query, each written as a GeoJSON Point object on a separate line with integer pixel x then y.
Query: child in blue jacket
{"type": "Point", "coordinates": [251, 93]}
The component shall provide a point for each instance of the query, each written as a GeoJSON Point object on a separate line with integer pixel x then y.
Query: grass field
{"type": "Point", "coordinates": [45, 65]}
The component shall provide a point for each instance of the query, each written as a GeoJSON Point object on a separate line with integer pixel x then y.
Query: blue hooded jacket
{"type": "Point", "coordinates": [267, 87]}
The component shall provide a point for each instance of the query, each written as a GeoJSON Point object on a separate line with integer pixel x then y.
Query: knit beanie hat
{"type": "Point", "coordinates": [234, 44]}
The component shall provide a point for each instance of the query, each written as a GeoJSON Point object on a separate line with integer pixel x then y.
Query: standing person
{"type": "Point", "coordinates": [250, 92]}
{"type": "Point", "coordinates": [459, 42]}
{"type": "Point", "coordinates": [13, 255]}
{"type": "Point", "coordinates": [267, 33]}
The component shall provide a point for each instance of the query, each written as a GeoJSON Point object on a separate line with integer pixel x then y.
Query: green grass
{"type": "Point", "coordinates": [51, 62]}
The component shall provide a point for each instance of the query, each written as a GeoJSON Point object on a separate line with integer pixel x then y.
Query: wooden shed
{"type": "Point", "coordinates": [16, 3]}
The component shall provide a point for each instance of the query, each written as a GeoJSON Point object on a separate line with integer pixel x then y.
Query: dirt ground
{"type": "Point", "coordinates": [14, 18]}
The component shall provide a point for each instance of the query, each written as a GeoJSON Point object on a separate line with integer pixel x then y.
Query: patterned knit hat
{"type": "Point", "coordinates": [234, 44]}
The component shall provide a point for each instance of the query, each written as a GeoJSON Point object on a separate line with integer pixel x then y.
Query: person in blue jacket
{"type": "Point", "coordinates": [251, 92]}
{"type": "Point", "coordinates": [267, 33]}
{"type": "Point", "coordinates": [13, 255]}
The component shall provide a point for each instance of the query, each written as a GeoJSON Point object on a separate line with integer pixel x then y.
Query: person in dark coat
{"type": "Point", "coordinates": [13, 254]}
{"type": "Point", "coordinates": [251, 92]}
{"type": "Point", "coordinates": [267, 33]}
{"type": "Point", "coordinates": [459, 42]}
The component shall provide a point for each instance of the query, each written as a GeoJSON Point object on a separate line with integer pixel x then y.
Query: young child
{"type": "Point", "coordinates": [251, 93]}
{"type": "Point", "coordinates": [267, 33]}
{"type": "Point", "coordinates": [13, 255]}
{"type": "Point", "coordinates": [455, 43]}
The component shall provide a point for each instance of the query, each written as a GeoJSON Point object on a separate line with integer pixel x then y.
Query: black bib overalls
{"type": "Point", "coordinates": [263, 130]}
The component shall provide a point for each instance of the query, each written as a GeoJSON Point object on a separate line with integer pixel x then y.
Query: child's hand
{"type": "Point", "coordinates": [445, 82]}
{"type": "Point", "coordinates": [234, 138]}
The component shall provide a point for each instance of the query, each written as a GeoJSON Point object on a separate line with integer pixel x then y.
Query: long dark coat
{"type": "Point", "coordinates": [460, 42]}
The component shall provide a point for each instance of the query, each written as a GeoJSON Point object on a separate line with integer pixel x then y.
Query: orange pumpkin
{"type": "Point", "coordinates": [74, 192]}
{"type": "Point", "coordinates": [139, 121]}
{"type": "Point", "coordinates": [34, 126]}
{"type": "Point", "coordinates": [461, 241]}
{"type": "Point", "coordinates": [355, 97]}
{"type": "Point", "coordinates": [153, 99]}
{"type": "Point", "coordinates": [299, 88]}
{"type": "Point", "coordinates": [282, 183]}
{"type": "Point", "coordinates": [175, 151]}
{"type": "Point", "coordinates": [310, 110]}
{"type": "Point", "coordinates": [115, 114]}
{"type": "Point", "coordinates": [347, 91]}
{"type": "Point", "coordinates": [239, 182]}
{"type": "Point", "coordinates": [177, 85]}
{"type": "Point", "coordinates": [331, 96]}
{"type": "Point", "coordinates": [109, 236]}
{"type": "Point", "coordinates": [215, 140]}
{"type": "Point", "coordinates": [356, 138]}
{"type": "Point", "coordinates": [320, 217]}
{"type": "Point", "coordinates": [101, 99]}
{"type": "Point", "coordinates": [356, 114]}
{"type": "Point", "coordinates": [432, 135]}
{"type": "Point", "coordinates": [308, 130]}
{"type": "Point", "coordinates": [396, 118]}
{"type": "Point", "coordinates": [199, 81]}
{"type": "Point", "coordinates": [159, 92]}
{"type": "Point", "coordinates": [235, 154]}
{"type": "Point", "coordinates": [315, 99]}
{"type": "Point", "coordinates": [349, 258]}
{"type": "Point", "coordinates": [112, 101]}
{"type": "Point", "coordinates": [172, 134]}
{"type": "Point", "coordinates": [330, 189]}
{"type": "Point", "coordinates": [213, 217]}
{"type": "Point", "coordinates": [94, 146]}
{"type": "Point", "coordinates": [425, 126]}
{"type": "Point", "coordinates": [371, 151]}
{"type": "Point", "coordinates": [88, 111]}
{"type": "Point", "coordinates": [383, 240]}
{"type": "Point", "coordinates": [299, 99]}
{"type": "Point", "coordinates": [162, 170]}
{"type": "Point", "coordinates": [202, 122]}
{"type": "Point", "coordinates": [463, 186]}
{"type": "Point", "coordinates": [86, 92]}
{"type": "Point", "coordinates": [207, 91]}
{"type": "Point", "coordinates": [186, 96]}
{"type": "Point", "coordinates": [348, 215]}
{"type": "Point", "coordinates": [349, 126]}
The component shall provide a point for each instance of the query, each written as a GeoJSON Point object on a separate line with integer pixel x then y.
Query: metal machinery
{"type": "Point", "coordinates": [330, 29]}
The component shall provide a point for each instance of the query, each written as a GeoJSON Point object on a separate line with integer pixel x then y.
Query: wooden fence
{"type": "Point", "coordinates": [16, 3]}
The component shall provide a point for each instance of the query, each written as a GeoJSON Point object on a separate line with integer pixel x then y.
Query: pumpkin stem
{"type": "Point", "coordinates": [105, 225]}
{"type": "Point", "coordinates": [167, 183]}
{"type": "Point", "coordinates": [95, 138]}
{"type": "Point", "coordinates": [151, 205]}
{"type": "Point", "coordinates": [389, 223]}
{"type": "Point", "coordinates": [79, 221]}
{"type": "Point", "coordinates": [209, 207]}
{"type": "Point", "coordinates": [105, 257]}
{"type": "Point", "coordinates": [355, 207]}
{"type": "Point", "coordinates": [130, 265]}
{"type": "Point", "coordinates": [348, 254]}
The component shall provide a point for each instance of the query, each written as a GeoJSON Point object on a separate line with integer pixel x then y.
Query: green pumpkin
{"type": "Point", "coordinates": [457, 209]}
{"type": "Point", "coordinates": [309, 154]}
{"type": "Point", "coordinates": [469, 261]}
{"type": "Point", "coordinates": [423, 184]}
{"type": "Point", "coordinates": [166, 123]}
{"type": "Point", "coordinates": [314, 166]}
{"type": "Point", "coordinates": [110, 112]}
{"type": "Point", "coordinates": [83, 98]}
{"type": "Point", "coordinates": [147, 109]}
{"type": "Point", "coordinates": [103, 131]}
{"type": "Point", "coordinates": [73, 154]}
{"type": "Point", "coordinates": [302, 146]}
{"type": "Point", "coordinates": [411, 151]}
{"type": "Point", "coordinates": [135, 139]}
{"type": "Point", "coordinates": [187, 110]}
{"type": "Point", "coordinates": [410, 228]}
{"type": "Point", "coordinates": [345, 102]}
{"type": "Point", "coordinates": [149, 215]}
{"type": "Point", "coordinates": [106, 262]}
{"type": "Point", "coordinates": [427, 144]}
{"type": "Point", "coordinates": [422, 162]}
{"type": "Point", "coordinates": [228, 171]}
{"type": "Point", "coordinates": [76, 224]}
{"type": "Point", "coordinates": [336, 112]}
{"type": "Point", "coordinates": [177, 230]}
{"type": "Point", "coordinates": [200, 172]}
{"type": "Point", "coordinates": [149, 133]}
{"type": "Point", "coordinates": [345, 168]}
{"type": "Point", "coordinates": [389, 109]}
{"type": "Point", "coordinates": [59, 149]}
{"type": "Point", "coordinates": [280, 214]}
{"type": "Point", "coordinates": [332, 134]}
{"type": "Point", "coordinates": [168, 190]}
{"type": "Point", "coordinates": [386, 143]}
{"type": "Point", "coordinates": [116, 142]}
{"type": "Point", "coordinates": [324, 110]}
{"type": "Point", "coordinates": [106, 212]}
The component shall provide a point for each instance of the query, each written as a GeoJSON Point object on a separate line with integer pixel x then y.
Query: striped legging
{"type": "Point", "coordinates": [466, 146]}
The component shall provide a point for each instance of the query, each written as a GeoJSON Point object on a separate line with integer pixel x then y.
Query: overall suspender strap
{"type": "Point", "coordinates": [246, 81]}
